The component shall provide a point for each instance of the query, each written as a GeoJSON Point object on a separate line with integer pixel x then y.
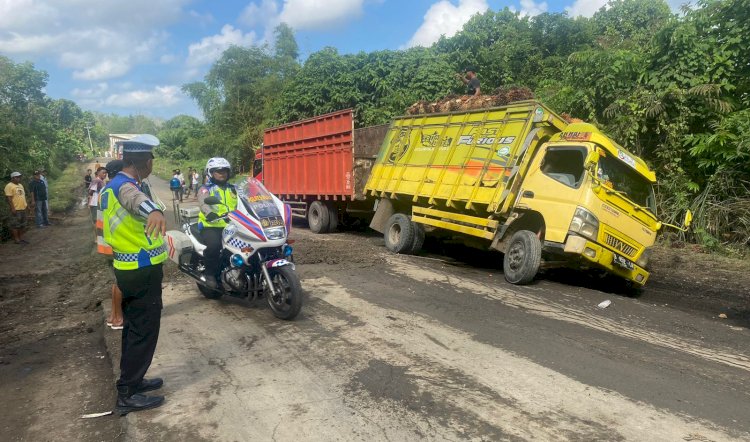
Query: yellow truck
{"type": "Point", "coordinates": [534, 187]}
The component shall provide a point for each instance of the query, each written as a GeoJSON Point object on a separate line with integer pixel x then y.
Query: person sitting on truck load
{"type": "Point", "coordinates": [470, 80]}
{"type": "Point", "coordinates": [210, 221]}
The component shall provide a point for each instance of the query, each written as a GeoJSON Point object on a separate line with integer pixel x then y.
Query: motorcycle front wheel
{"type": "Point", "coordinates": [209, 293]}
{"type": "Point", "coordinates": [287, 301]}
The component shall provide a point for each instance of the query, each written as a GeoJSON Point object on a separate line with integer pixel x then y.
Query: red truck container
{"type": "Point", "coordinates": [320, 167]}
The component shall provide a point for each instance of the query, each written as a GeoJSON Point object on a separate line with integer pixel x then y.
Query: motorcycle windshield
{"type": "Point", "coordinates": [259, 201]}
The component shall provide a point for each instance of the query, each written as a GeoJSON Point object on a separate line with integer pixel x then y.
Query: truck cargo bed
{"type": "Point", "coordinates": [322, 157]}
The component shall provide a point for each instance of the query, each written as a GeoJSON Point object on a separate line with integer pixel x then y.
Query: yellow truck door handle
{"type": "Point", "coordinates": [528, 194]}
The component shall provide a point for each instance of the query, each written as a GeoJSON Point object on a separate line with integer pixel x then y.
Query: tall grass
{"type": "Point", "coordinates": [67, 190]}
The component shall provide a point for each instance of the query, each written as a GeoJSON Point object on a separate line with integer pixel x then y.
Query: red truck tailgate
{"type": "Point", "coordinates": [312, 157]}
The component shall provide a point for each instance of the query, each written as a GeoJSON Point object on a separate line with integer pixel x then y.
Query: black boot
{"type": "Point", "coordinates": [149, 385]}
{"type": "Point", "coordinates": [128, 400]}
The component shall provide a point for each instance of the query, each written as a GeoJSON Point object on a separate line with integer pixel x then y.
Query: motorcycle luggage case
{"type": "Point", "coordinates": [177, 244]}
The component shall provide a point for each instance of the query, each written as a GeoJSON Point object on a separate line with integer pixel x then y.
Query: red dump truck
{"type": "Point", "coordinates": [320, 166]}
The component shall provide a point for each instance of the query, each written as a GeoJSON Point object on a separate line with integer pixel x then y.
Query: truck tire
{"type": "Point", "coordinates": [333, 218]}
{"type": "Point", "coordinates": [318, 217]}
{"type": "Point", "coordinates": [418, 242]}
{"type": "Point", "coordinates": [399, 234]}
{"type": "Point", "coordinates": [522, 257]}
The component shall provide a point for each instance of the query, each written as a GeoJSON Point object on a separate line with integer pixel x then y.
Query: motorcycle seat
{"type": "Point", "coordinates": [196, 233]}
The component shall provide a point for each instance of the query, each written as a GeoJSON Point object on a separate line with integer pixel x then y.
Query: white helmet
{"type": "Point", "coordinates": [217, 163]}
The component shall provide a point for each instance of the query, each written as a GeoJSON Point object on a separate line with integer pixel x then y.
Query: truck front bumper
{"type": "Point", "coordinates": [604, 258]}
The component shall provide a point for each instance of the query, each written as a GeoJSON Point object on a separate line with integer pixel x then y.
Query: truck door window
{"type": "Point", "coordinates": [257, 167]}
{"type": "Point", "coordinates": [564, 165]}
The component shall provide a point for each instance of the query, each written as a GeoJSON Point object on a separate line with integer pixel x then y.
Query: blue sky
{"type": "Point", "coordinates": [131, 57]}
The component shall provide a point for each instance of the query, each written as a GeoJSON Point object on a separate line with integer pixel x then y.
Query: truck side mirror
{"type": "Point", "coordinates": [592, 159]}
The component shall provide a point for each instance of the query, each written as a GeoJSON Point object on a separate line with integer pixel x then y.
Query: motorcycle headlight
{"type": "Point", "coordinates": [585, 224]}
{"type": "Point", "coordinates": [275, 233]}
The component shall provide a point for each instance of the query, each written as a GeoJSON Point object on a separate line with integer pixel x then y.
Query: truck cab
{"type": "Point", "coordinates": [596, 200]}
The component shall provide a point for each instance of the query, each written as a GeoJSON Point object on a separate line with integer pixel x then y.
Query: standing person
{"type": "Point", "coordinates": [43, 177]}
{"type": "Point", "coordinates": [189, 182]}
{"type": "Point", "coordinates": [135, 226]}
{"type": "Point", "coordinates": [210, 225]}
{"type": "Point", "coordinates": [114, 320]}
{"type": "Point", "coordinates": [38, 192]}
{"type": "Point", "coordinates": [174, 185]}
{"type": "Point", "coordinates": [16, 197]}
{"type": "Point", "coordinates": [87, 178]}
{"type": "Point", "coordinates": [181, 177]}
{"type": "Point", "coordinates": [195, 182]}
{"type": "Point", "coordinates": [94, 188]}
{"type": "Point", "coordinates": [471, 81]}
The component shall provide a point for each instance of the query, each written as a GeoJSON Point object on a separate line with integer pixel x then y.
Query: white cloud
{"type": "Point", "coordinates": [319, 14]}
{"type": "Point", "coordinates": [96, 91]}
{"type": "Point", "coordinates": [210, 48]}
{"type": "Point", "coordinates": [255, 14]}
{"type": "Point", "coordinates": [585, 8]}
{"type": "Point", "coordinates": [98, 40]}
{"type": "Point", "coordinates": [102, 69]}
{"type": "Point", "coordinates": [531, 8]}
{"type": "Point", "coordinates": [445, 18]}
{"type": "Point", "coordinates": [158, 97]}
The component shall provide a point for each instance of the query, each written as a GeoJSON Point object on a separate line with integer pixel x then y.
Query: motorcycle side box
{"type": "Point", "coordinates": [177, 244]}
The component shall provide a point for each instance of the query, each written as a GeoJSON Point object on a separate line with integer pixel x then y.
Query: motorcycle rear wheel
{"type": "Point", "coordinates": [287, 302]}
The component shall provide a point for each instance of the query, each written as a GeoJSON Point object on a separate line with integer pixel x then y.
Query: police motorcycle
{"type": "Point", "coordinates": [256, 258]}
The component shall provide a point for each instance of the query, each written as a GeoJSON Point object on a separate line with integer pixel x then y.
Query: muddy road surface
{"type": "Point", "coordinates": [440, 347]}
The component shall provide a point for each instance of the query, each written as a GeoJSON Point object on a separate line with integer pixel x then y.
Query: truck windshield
{"type": "Point", "coordinates": [622, 178]}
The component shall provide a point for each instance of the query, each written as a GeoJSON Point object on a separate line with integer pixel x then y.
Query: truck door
{"type": "Point", "coordinates": [553, 187]}
{"type": "Point", "coordinates": [258, 167]}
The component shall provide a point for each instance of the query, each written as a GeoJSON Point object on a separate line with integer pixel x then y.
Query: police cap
{"type": "Point", "coordinates": [140, 143]}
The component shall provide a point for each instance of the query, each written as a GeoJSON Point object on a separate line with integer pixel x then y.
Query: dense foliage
{"type": "Point", "coordinates": [673, 88]}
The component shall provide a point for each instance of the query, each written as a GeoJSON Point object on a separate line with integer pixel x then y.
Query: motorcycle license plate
{"type": "Point", "coordinates": [272, 221]}
{"type": "Point", "coordinates": [622, 262]}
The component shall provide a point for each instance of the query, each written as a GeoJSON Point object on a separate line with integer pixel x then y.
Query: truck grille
{"type": "Point", "coordinates": [619, 245]}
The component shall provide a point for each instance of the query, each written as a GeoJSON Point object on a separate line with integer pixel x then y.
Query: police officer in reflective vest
{"type": "Point", "coordinates": [134, 226]}
{"type": "Point", "coordinates": [211, 224]}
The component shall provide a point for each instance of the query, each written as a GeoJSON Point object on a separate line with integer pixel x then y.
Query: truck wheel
{"type": "Point", "coordinates": [399, 233]}
{"type": "Point", "coordinates": [522, 257]}
{"type": "Point", "coordinates": [333, 218]}
{"type": "Point", "coordinates": [318, 217]}
{"type": "Point", "coordinates": [416, 246]}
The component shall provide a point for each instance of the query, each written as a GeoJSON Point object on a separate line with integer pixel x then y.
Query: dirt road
{"type": "Point", "coordinates": [439, 347]}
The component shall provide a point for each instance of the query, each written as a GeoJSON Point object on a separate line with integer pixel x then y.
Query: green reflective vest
{"type": "Point", "coordinates": [228, 196]}
{"type": "Point", "coordinates": [125, 233]}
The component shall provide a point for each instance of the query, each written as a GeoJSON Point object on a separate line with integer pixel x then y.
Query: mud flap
{"type": "Point", "coordinates": [383, 213]}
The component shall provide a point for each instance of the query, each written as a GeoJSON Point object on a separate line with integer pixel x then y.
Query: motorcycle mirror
{"type": "Point", "coordinates": [211, 200]}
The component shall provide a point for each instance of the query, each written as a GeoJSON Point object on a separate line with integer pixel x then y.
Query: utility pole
{"type": "Point", "coordinates": [88, 131]}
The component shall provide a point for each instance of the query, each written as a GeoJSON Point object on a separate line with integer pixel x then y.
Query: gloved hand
{"type": "Point", "coordinates": [211, 217]}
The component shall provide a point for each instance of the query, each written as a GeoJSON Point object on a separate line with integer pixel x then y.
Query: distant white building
{"type": "Point", "coordinates": [114, 148]}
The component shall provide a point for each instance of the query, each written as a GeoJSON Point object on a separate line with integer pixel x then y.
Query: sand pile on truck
{"type": "Point", "coordinates": [500, 97]}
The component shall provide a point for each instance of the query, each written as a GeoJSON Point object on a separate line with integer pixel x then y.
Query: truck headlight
{"type": "Point", "coordinates": [643, 259]}
{"type": "Point", "coordinates": [585, 224]}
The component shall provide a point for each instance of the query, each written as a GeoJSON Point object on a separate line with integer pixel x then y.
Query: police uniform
{"type": "Point", "coordinates": [137, 260]}
{"type": "Point", "coordinates": [211, 230]}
